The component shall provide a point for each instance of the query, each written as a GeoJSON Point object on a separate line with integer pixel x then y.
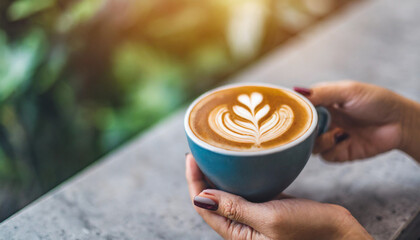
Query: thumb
{"type": "Point", "coordinates": [329, 94]}
{"type": "Point", "coordinates": [233, 207]}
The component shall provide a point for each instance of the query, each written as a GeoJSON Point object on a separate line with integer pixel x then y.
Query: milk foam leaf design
{"type": "Point", "coordinates": [247, 128]}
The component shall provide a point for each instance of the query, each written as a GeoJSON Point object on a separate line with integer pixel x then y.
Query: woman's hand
{"type": "Point", "coordinates": [286, 218]}
{"type": "Point", "coordinates": [366, 120]}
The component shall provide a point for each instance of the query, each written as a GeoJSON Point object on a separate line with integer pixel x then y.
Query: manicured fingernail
{"type": "Point", "coordinates": [206, 203]}
{"type": "Point", "coordinates": [304, 91]}
{"type": "Point", "coordinates": [341, 136]}
{"type": "Point", "coordinates": [186, 154]}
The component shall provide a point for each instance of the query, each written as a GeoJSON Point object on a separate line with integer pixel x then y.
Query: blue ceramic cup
{"type": "Point", "coordinates": [261, 175]}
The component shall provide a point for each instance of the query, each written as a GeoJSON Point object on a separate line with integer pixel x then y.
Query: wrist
{"type": "Point", "coordinates": [410, 126]}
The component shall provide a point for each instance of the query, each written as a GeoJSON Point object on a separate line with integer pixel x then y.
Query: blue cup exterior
{"type": "Point", "coordinates": [258, 176]}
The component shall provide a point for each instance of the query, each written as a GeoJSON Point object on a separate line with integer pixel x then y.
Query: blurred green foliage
{"type": "Point", "coordinates": [80, 77]}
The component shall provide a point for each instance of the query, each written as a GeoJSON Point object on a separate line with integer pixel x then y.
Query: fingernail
{"type": "Point", "coordinates": [205, 203]}
{"type": "Point", "coordinates": [304, 91]}
{"type": "Point", "coordinates": [340, 136]}
{"type": "Point", "coordinates": [186, 154]}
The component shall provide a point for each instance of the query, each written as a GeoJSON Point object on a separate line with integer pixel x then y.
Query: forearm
{"type": "Point", "coordinates": [411, 129]}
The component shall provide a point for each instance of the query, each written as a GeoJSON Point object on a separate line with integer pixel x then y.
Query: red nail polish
{"type": "Point", "coordinates": [340, 136]}
{"type": "Point", "coordinates": [304, 91]}
{"type": "Point", "coordinates": [205, 203]}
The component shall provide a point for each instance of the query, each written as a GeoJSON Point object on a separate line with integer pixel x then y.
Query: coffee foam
{"type": "Point", "coordinates": [251, 129]}
{"type": "Point", "coordinates": [250, 118]}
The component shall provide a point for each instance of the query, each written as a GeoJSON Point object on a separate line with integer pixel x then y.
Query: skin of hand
{"type": "Point", "coordinates": [366, 120]}
{"type": "Point", "coordinates": [285, 217]}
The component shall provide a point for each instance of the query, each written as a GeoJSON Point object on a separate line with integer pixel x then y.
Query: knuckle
{"type": "Point", "coordinates": [238, 231]}
{"type": "Point", "coordinates": [232, 209]}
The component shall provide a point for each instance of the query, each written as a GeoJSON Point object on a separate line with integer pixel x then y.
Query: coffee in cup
{"type": "Point", "coordinates": [250, 118]}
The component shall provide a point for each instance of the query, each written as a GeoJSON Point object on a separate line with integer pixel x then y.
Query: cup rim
{"type": "Point", "coordinates": [219, 150]}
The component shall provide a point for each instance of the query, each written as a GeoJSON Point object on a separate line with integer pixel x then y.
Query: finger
{"type": "Point", "coordinates": [339, 153]}
{"type": "Point", "coordinates": [237, 209]}
{"type": "Point", "coordinates": [329, 94]}
{"type": "Point", "coordinates": [195, 177]}
{"type": "Point", "coordinates": [327, 140]}
{"type": "Point", "coordinates": [196, 184]}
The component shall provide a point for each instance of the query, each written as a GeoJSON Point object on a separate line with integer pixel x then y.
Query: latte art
{"type": "Point", "coordinates": [250, 129]}
{"type": "Point", "coordinates": [249, 118]}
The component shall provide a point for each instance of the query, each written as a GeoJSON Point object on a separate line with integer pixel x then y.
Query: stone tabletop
{"type": "Point", "coordinates": [139, 191]}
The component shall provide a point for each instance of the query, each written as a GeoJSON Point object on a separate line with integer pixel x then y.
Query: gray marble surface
{"type": "Point", "coordinates": [139, 191]}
